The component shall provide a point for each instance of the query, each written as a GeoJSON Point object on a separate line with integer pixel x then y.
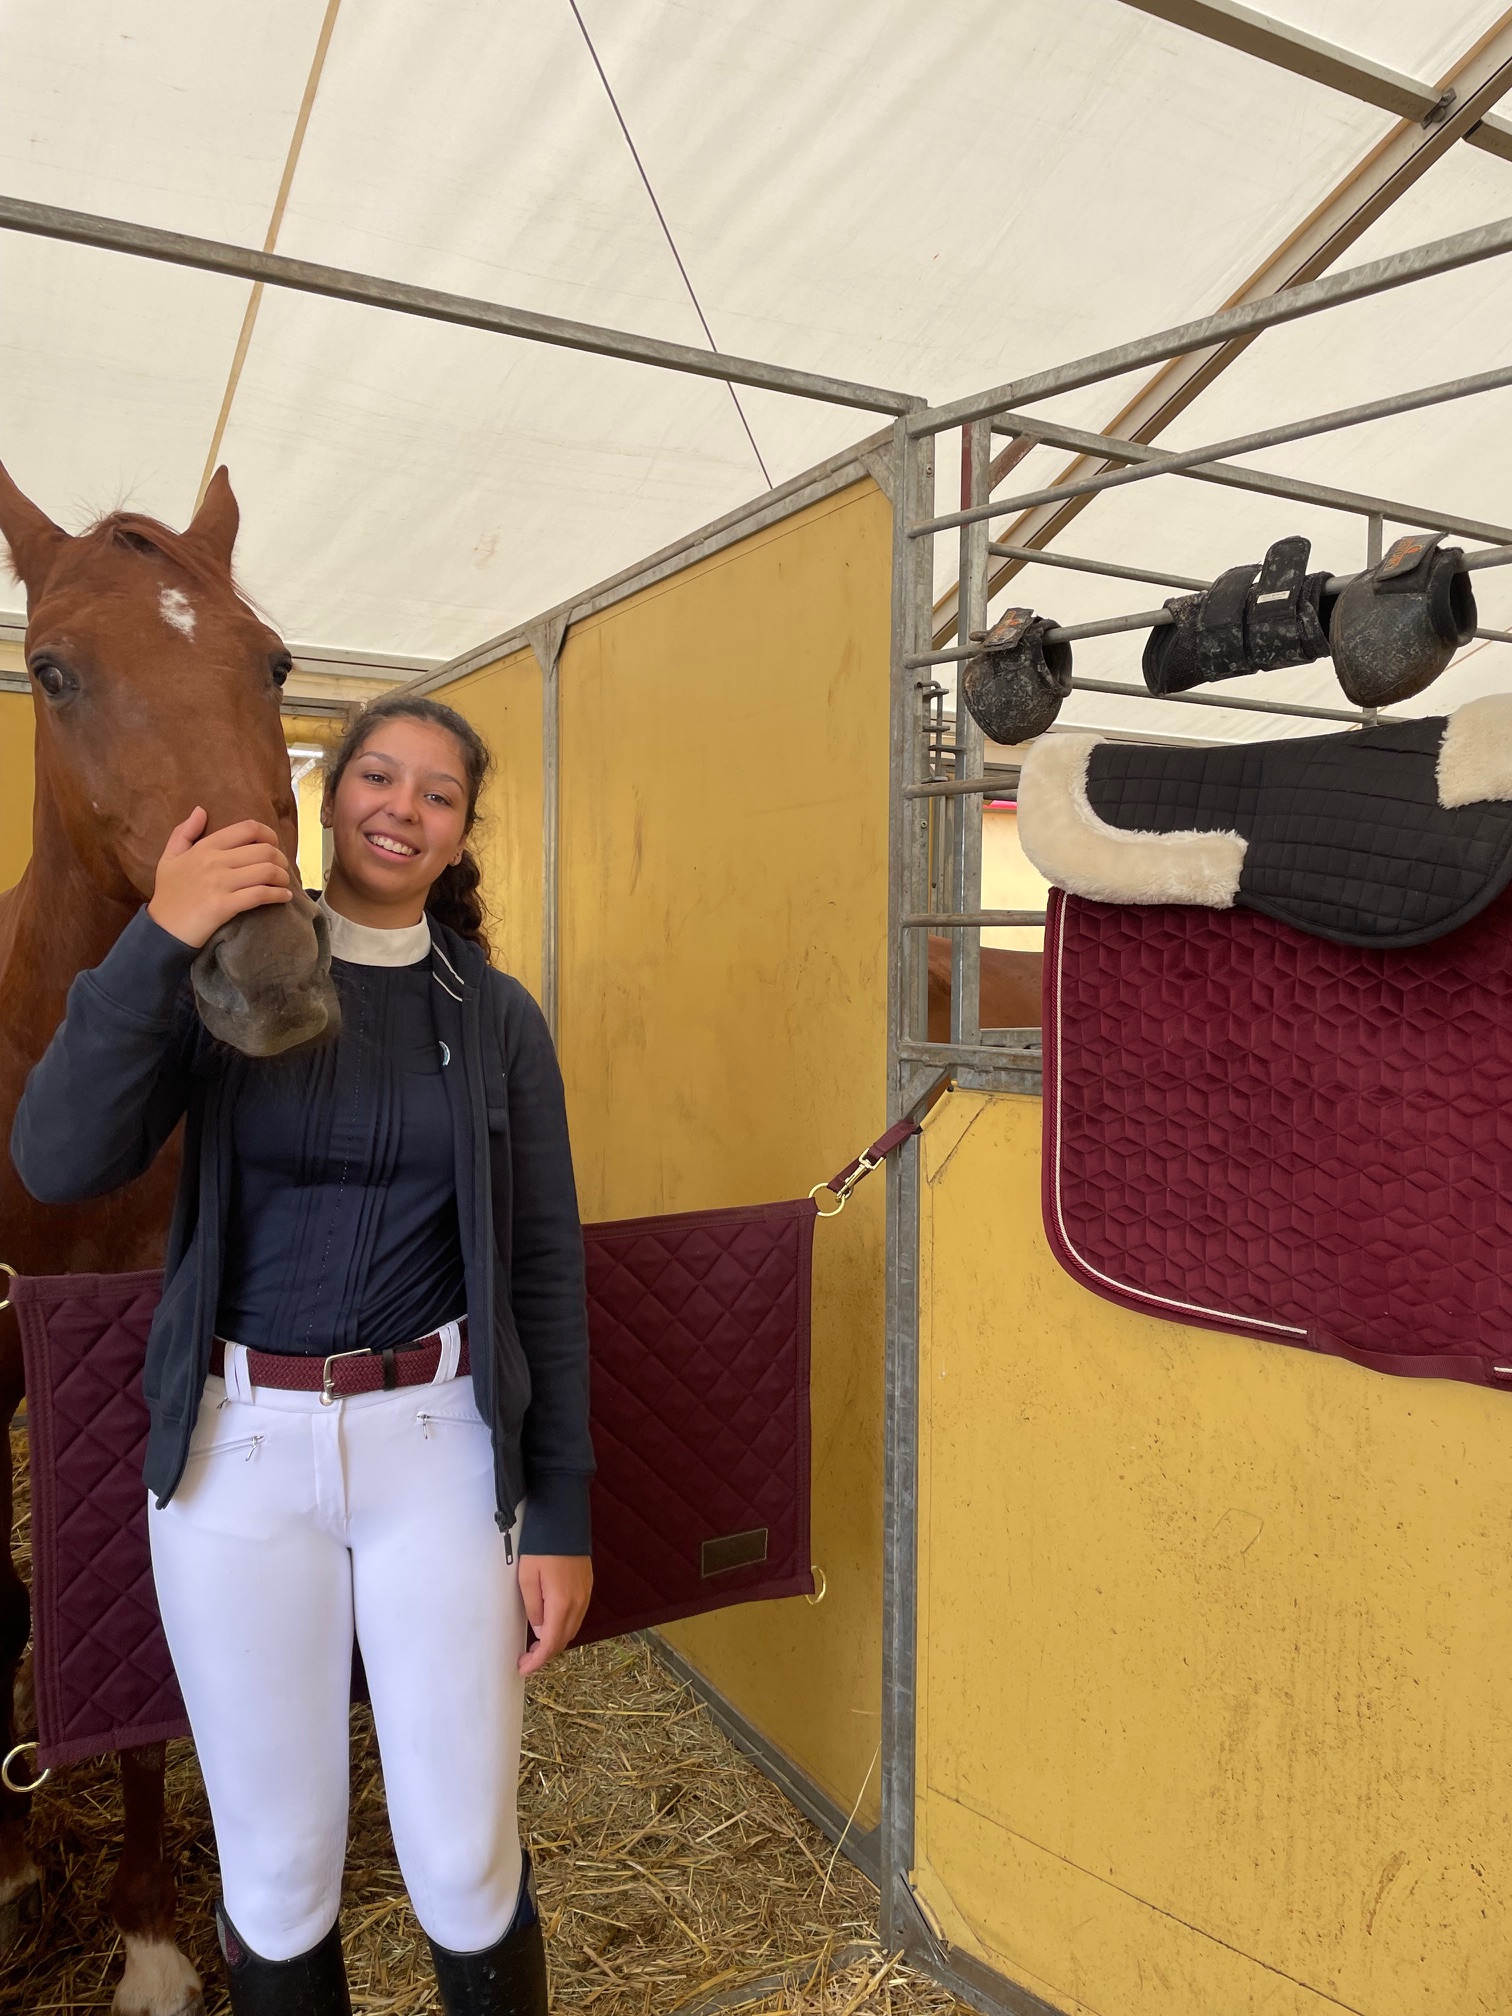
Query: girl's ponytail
{"type": "Point", "coordinates": [455, 899]}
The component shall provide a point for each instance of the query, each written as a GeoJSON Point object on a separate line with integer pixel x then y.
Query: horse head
{"type": "Point", "coordinates": [156, 689]}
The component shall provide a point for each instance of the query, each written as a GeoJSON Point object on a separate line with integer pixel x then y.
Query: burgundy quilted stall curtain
{"type": "Point", "coordinates": [700, 1384]}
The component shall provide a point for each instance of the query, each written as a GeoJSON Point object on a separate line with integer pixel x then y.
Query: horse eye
{"type": "Point", "coordinates": [51, 678]}
{"type": "Point", "coordinates": [280, 665]}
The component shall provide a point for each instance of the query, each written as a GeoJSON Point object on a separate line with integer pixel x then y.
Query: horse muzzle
{"type": "Point", "coordinates": [263, 982]}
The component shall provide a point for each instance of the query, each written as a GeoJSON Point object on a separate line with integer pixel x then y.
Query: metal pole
{"type": "Point", "coordinates": [971, 920]}
{"type": "Point", "coordinates": [272, 269]}
{"type": "Point", "coordinates": [1419, 262]}
{"type": "Point", "coordinates": [1218, 700]}
{"type": "Point", "coordinates": [970, 750]}
{"type": "Point", "coordinates": [1116, 448]}
{"type": "Point", "coordinates": [908, 878]}
{"type": "Point", "coordinates": [1041, 556]}
{"type": "Point", "coordinates": [1162, 463]}
{"type": "Point", "coordinates": [1156, 619]}
{"type": "Point", "coordinates": [546, 638]}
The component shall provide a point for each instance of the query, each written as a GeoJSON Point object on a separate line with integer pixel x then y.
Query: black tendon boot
{"type": "Point", "coordinates": [507, 1979]}
{"type": "Point", "coordinates": [311, 1984]}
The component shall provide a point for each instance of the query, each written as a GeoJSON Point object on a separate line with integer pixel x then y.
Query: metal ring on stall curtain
{"type": "Point", "coordinates": [814, 1196]}
{"type": "Point", "coordinates": [5, 1268]}
{"type": "Point", "coordinates": [814, 1568]}
{"type": "Point", "coordinates": [10, 1783]}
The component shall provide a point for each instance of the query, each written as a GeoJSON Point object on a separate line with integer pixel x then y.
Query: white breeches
{"type": "Point", "coordinates": [294, 1524]}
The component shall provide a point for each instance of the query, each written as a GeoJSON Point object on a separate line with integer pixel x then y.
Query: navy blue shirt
{"type": "Point", "coordinates": [131, 1060]}
{"type": "Point", "coordinates": [342, 1233]}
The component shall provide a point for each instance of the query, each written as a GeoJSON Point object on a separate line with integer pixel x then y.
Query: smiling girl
{"type": "Point", "coordinates": [374, 1294]}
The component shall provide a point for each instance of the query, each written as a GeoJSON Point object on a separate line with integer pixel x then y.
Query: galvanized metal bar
{"type": "Point", "coordinates": [1230, 476]}
{"type": "Point", "coordinates": [1289, 48]}
{"type": "Point", "coordinates": [1496, 636]}
{"type": "Point", "coordinates": [1291, 707]}
{"type": "Point", "coordinates": [971, 920]}
{"type": "Point", "coordinates": [1356, 283]}
{"type": "Point", "coordinates": [919, 659]}
{"type": "Point", "coordinates": [980, 1056]}
{"type": "Point", "coordinates": [1074, 564]}
{"type": "Point", "coordinates": [907, 885]}
{"type": "Point", "coordinates": [1156, 619]}
{"type": "Point", "coordinates": [273, 269]}
{"type": "Point", "coordinates": [961, 787]}
{"type": "Point", "coordinates": [1358, 503]}
{"type": "Point", "coordinates": [970, 748]}
{"type": "Point", "coordinates": [1357, 76]}
{"type": "Point", "coordinates": [1174, 463]}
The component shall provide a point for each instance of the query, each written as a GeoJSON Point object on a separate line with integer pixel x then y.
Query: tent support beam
{"type": "Point", "coordinates": [1360, 77]}
{"type": "Point", "coordinates": [272, 269]}
{"type": "Point", "coordinates": [1245, 318]}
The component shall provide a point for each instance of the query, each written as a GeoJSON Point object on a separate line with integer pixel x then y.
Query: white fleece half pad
{"type": "Point", "coordinates": [1475, 756]}
{"type": "Point", "coordinates": [1082, 854]}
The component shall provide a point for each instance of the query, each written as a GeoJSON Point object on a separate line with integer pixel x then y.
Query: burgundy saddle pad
{"type": "Point", "coordinates": [700, 1386]}
{"type": "Point", "coordinates": [1256, 1130]}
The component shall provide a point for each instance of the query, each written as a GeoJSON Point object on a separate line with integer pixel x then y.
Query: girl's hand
{"type": "Point", "coordinates": [556, 1588]}
{"type": "Point", "coordinates": [204, 883]}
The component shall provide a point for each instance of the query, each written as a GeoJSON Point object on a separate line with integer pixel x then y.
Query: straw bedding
{"type": "Point", "coordinates": [672, 1876]}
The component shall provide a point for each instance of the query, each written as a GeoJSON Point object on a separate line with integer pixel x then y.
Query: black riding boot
{"type": "Point", "coordinates": [311, 1984]}
{"type": "Point", "coordinates": [508, 1979]}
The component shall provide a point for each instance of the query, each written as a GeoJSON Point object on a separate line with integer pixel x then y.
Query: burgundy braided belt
{"type": "Point", "coordinates": [345, 1372]}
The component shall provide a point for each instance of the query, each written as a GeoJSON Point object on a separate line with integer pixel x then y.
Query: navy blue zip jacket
{"type": "Point", "coordinates": [131, 1057]}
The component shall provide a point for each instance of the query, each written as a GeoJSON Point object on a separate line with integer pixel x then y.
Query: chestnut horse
{"type": "Point", "coordinates": [156, 689]}
{"type": "Point", "coordinates": [1010, 989]}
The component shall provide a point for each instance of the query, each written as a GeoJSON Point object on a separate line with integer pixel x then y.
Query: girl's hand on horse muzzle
{"type": "Point", "coordinates": [202, 883]}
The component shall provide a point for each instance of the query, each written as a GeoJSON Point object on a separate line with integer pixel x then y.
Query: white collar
{"type": "Point", "coordinates": [367, 945]}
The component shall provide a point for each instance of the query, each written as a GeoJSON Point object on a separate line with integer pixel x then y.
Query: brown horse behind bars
{"type": "Point", "coordinates": [156, 689]}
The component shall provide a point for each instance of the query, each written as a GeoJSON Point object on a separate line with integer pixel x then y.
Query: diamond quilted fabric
{"type": "Point", "coordinates": [1252, 1129]}
{"type": "Point", "coordinates": [699, 1327]}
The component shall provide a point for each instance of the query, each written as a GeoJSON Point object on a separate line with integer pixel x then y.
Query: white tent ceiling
{"type": "Point", "coordinates": [935, 198]}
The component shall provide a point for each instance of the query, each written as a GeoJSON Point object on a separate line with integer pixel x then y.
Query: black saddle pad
{"type": "Point", "coordinates": [1344, 836]}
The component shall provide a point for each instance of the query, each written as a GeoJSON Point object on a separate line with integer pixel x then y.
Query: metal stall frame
{"type": "Point", "coordinates": [916, 1068]}
{"type": "Point", "coordinates": [953, 777]}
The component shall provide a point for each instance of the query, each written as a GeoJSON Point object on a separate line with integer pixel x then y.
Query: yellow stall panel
{"type": "Point", "coordinates": [503, 701]}
{"type": "Point", "coordinates": [1215, 1641]}
{"type": "Point", "coordinates": [723, 1008]}
{"type": "Point", "coordinates": [16, 759]}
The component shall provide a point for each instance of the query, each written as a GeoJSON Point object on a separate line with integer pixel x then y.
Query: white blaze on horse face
{"type": "Point", "coordinates": [178, 610]}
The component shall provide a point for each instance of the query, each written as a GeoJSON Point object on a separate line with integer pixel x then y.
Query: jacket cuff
{"type": "Point", "coordinates": [557, 1516]}
{"type": "Point", "coordinates": [144, 969]}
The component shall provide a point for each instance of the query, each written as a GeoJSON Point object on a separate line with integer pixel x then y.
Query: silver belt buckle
{"type": "Point", "coordinates": [328, 1394]}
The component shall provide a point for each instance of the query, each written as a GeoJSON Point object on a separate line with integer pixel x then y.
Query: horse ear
{"type": "Point", "coordinates": [216, 521]}
{"type": "Point", "coordinates": [32, 537]}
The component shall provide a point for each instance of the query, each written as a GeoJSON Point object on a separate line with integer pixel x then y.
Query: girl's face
{"type": "Point", "coordinates": [398, 817]}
